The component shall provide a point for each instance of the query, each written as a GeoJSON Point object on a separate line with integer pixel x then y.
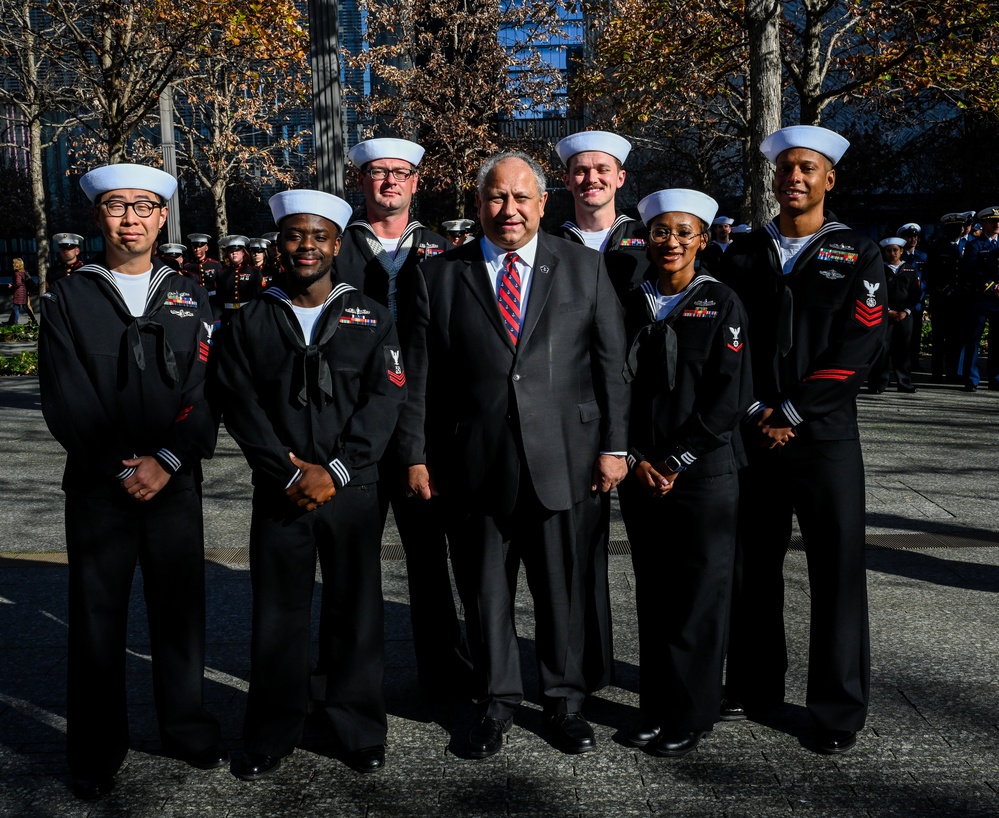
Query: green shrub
{"type": "Point", "coordinates": [26, 363]}
{"type": "Point", "coordinates": [11, 333]}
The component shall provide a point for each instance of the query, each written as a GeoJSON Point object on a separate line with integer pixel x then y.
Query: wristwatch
{"type": "Point", "coordinates": [673, 464]}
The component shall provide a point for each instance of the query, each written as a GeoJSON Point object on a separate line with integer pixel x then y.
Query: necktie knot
{"type": "Point", "coordinates": [509, 297]}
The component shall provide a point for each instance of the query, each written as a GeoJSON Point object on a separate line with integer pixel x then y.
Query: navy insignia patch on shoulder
{"type": "Point", "coordinates": [732, 339]}
{"type": "Point", "coordinates": [393, 365]}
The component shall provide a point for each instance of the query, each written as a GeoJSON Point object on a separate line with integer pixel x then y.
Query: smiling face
{"type": "Point", "coordinates": [388, 196]}
{"type": "Point", "coordinates": [308, 244]}
{"type": "Point", "coordinates": [129, 238]}
{"type": "Point", "coordinates": [802, 177]}
{"type": "Point", "coordinates": [510, 205]}
{"type": "Point", "coordinates": [593, 178]}
{"type": "Point", "coordinates": [671, 258]}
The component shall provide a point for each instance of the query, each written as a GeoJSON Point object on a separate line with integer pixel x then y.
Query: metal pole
{"type": "Point", "coordinates": [327, 125]}
{"type": "Point", "coordinates": [170, 161]}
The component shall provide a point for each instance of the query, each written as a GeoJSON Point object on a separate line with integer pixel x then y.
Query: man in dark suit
{"type": "Point", "coordinates": [518, 418]}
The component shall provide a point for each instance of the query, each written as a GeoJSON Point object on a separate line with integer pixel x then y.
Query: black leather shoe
{"type": "Point", "coordinates": [642, 735]}
{"type": "Point", "coordinates": [210, 759]}
{"type": "Point", "coordinates": [254, 766]}
{"type": "Point", "coordinates": [834, 742]}
{"type": "Point", "coordinates": [486, 738]}
{"type": "Point", "coordinates": [91, 789]}
{"type": "Point", "coordinates": [908, 390]}
{"type": "Point", "coordinates": [674, 745]}
{"type": "Point", "coordinates": [731, 710]}
{"type": "Point", "coordinates": [368, 760]}
{"type": "Point", "coordinates": [571, 733]}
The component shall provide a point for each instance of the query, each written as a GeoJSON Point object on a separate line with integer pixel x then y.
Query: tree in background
{"type": "Point", "coordinates": [242, 83]}
{"type": "Point", "coordinates": [446, 73]}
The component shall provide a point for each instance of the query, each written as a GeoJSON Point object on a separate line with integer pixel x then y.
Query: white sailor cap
{"type": "Point", "coordinates": [912, 227]}
{"type": "Point", "coordinates": [118, 177]}
{"type": "Point", "coordinates": [67, 239]}
{"type": "Point", "coordinates": [171, 249]}
{"type": "Point", "coordinates": [988, 213]}
{"type": "Point", "coordinates": [292, 202]}
{"type": "Point", "coordinates": [892, 240]}
{"type": "Point", "coordinates": [969, 215]}
{"type": "Point", "coordinates": [271, 237]}
{"type": "Point", "coordinates": [603, 141]}
{"type": "Point", "coordinates": [228, 242]}
{"type": "Point", "coordinates": [458, 225]}
{"type": "Point", "coordinates": [258, 244]}
{"type": "Point", "coordinates": [678, 200]}
{"type": "Point", "coordinates": [371, 149]}
{"type": "Point", "coordinates": [198, 238]}
{"type": "Point", "coordinates": [822, 140]}
{"type": "Point", "coordinates": [722, 220]}
{"type": "Point", "coordinates": [954, 218]}
{"type": "Point", "coordinates": [742, 228]}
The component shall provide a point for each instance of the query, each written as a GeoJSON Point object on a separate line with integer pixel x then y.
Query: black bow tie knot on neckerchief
{"type": "Point", "coordinates": [167, 361]}
{"type": "Point", "coordinates": [312, 374]}
{"type": "Point", "coordinates": [658, 342]}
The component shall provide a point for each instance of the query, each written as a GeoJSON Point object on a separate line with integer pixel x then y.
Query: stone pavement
{"type": "Point", "coordinates": [931, 747]}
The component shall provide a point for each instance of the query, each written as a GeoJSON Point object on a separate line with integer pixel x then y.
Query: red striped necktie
{"type": "Point", "coordinates": [509, 296]}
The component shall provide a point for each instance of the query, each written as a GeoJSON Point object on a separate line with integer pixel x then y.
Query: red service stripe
{"type": "Point", "coordinates": [399, 379]}
{"type": "Point", "coordinates": [834, 371]}
{"type": "Point", "coordinates": [829, 377]}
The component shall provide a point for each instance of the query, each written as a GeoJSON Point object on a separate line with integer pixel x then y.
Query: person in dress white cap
{"type": "Point", "coordinates": [123, 355]}
{"type": "Point", "coordinates": [978, 267]}
{"type": "Point", "coordinates": [913, 256]}
{"type": "Point", "coordinates": [382, 247]}
{"type": "Point", "coordinates": [68, 246]}
{"type": "Point", "coordinates": [902, 296]}
{"type": "Point", "coordinates": [721, 240]}
{"type": "Point", "coordinates": [594, 173]}
{"type": "Point", "coordinates": [459, 231]}
{"type": "Point", "coordinates": [311, 381]}
{"type": "Point", "coordinates": [814, 292]}
{"type": "Point", "coordinates": [690, 384]}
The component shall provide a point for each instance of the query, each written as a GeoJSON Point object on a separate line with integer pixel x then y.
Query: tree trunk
{"type": "Point", "coordinates": [221, 217]}
{"type": "Point", "coordinates": [37, 172]}
{"type": "Point", "coordinates": [811, 68]}
{"type": "Point", "coordinates": [762, 22]}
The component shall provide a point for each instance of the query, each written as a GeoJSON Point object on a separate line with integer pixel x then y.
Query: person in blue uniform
{"type": "Point", "coordinates": [902, 296]}
{"type": "Point", "coordinates": [912, 234]}
{"type": "Point", "coordinates": [980, 268]}
{"type": "Point", "coordinates": [949, 296]}
{"type": "Point", "coordinates": [814, 292]}
{"type": "Point", "coordinates": [691, 384]}
{"type": "Point", "coordinates": [123, 352]}
{"type": "Point", "coordinates": [311, 381]}
{"type": "Point", "coordinates": [381, 250]}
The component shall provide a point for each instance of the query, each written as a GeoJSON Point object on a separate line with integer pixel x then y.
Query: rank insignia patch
{"type": "Point", "coordinates": [732, 340]}
{"type": "Point", "coordinates": [837, 254]}
{"type": "Point", "coordinates": [868, 312]}
{"type": "Point", "coordinates": [393, 364]}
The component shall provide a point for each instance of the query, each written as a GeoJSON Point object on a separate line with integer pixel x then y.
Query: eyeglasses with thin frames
{"type": "Point", "coordinates": [684, 236]}
{"type": "Point", "coordinates": [142, 208]}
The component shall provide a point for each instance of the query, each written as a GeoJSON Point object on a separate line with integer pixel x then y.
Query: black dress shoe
{"type": "Point", "coordinates": [908, 390]}
{"type": "Point", "coordinates": [642, 735]}
{"type": "Point", "coordinates": [731, 710]}
{"type": "Point", "coordinates": [254, 766]}
{"type": "Point", "coordinates": [210, 759]}
{"type": "Point", "coordinates": [834, 742]}
{"type": "Point", "coordinates": [674, 745]}
{"type": "Point", "coordinates": [486, 738]}
{"type": "Point", "coordinates": [368, 760]}
{"type": "Point", "coordinates": [571, 733]}
{"type": "Point", "coordinates": [90, 789]}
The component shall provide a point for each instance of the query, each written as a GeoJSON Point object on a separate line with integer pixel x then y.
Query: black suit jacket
{"type": "Point", "coordinates": [485, 415]}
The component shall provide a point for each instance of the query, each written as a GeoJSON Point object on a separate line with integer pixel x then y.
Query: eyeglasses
{"type": "Point", "coordinates": [381, 174]}
{"type": "Point", "coordinates": [684, 236]}
{"type": "Point", "coordinates": [141, 208]}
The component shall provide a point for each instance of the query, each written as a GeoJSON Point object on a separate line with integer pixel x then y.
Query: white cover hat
{"type": "Point", "coordinates": [908, 227]}
{"type": "Point", "coordinates": [198, 238]}
{"type": "Point", "coordinates": [722, 220]}
{"type": "Point", "coordinates": [603, 141]}
{"type": "Point", "coordinates": [67, 238]}
{"type": "Point", "coordinates": [742, 228]}
{"type": "Point", "coordinates": [678, 200]}
{"type": "Point", "coordinates": [828, 143]}
{"type": "Point", "coordinates": [118, 177]}
{"type": "Point", "coordinates": [988, 213]}
{"type": "Point", "coordinates": [371, 149]}
{"type": "Point", "coordinates": [225, 242]}
{"type": "Point", "coordinates": [292, 202]}
{"type": "Point", "coordinates": [892, 240]}
{"type": "Point", "coordinates": [171, 249]}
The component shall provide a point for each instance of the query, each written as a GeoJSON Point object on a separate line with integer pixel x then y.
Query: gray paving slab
{"type": "Point", "coordinates": [931, 747]}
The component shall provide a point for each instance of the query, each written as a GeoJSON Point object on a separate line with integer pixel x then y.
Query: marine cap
{"type": "Point", "coordinates": [678, 200]}
{"type": "Point", "coordinates": [228, 242]}
{"type": "Point", "coordinates": [67, 240]}
{"type": "Point", "coordinates": [458, 226]}
{"type": "Point", "coordinates": [118, 177]}
{"type": "Point", "coordinates": [171, 249]}
{"type": "Point", "coordinates": [829, 143]}
{"type": "Point", "coordinates": [603, 141]}
{"type": "Point", "coordinates": [315, 202]}
{"type": "Point", "coordinates": [198, 238]}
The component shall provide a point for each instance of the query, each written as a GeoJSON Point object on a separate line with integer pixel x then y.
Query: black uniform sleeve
{"type": "Point", "coordinates": [370, 427]}
{"type": "Point", "coordinates": [72, 408]}
{"type": "Point", "coordinates": [245, 417]}
{"type": "Point", "coordinates": [194, 432]}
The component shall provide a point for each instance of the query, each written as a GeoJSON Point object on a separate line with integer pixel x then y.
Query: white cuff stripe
{"type": "Point", "coordinates": [687, 458]}
{"type": "Point", "coordinates": [791, 412]}
{"type": "Point", "coordinates": [294, 479]}
{"type": "Point", "coordinates": [340, 471]}
{"type": "Point", "coordinates": [170, 458]}
{"type": "Point", "coordinates": [124, 475]}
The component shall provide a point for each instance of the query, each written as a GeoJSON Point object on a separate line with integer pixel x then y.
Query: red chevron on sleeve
{"type": "Point", "coordinates": [868, 316]}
